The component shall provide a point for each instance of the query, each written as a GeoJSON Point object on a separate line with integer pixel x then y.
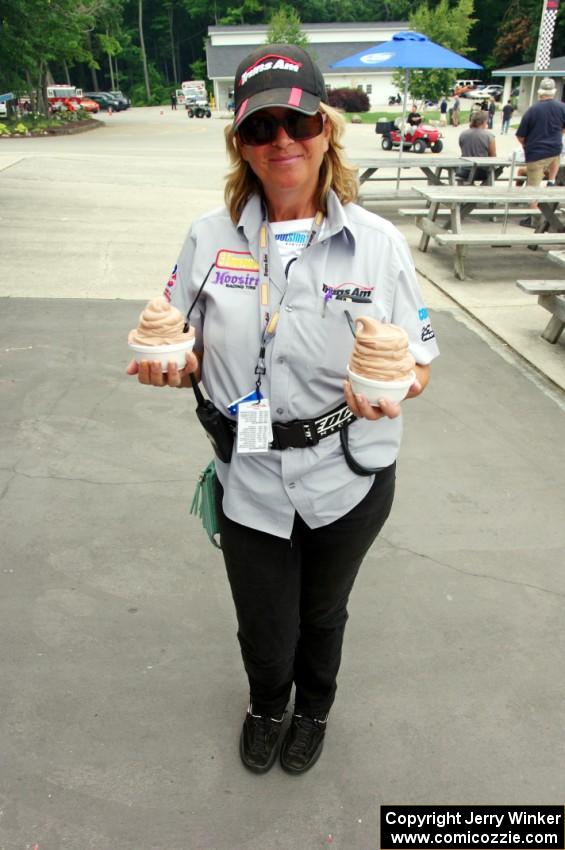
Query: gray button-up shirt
{"type": "Point", "coordinates": [356, 254]}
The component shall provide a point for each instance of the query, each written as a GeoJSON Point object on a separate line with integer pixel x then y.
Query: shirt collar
{"type": "Point", "coordinates": [336, 220]}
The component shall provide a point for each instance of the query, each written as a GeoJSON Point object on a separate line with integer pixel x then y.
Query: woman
{"type": "Point", "coordinates": [287, 259]}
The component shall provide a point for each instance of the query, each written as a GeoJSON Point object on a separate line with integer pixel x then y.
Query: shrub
{"type": "Point", "coordinates": [350, 100]}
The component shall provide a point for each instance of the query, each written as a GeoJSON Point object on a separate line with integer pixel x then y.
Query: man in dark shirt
{"type": "Point", "coordinates": [414, 118]}
{"type": "Point", "coordinates": [541, 135]}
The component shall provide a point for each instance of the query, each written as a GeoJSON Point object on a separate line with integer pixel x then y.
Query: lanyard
{"type": "Point", "coordinates": [269, 323]}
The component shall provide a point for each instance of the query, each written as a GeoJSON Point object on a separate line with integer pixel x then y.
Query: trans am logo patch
{"type": "Point", "coordinates": [342, 291]}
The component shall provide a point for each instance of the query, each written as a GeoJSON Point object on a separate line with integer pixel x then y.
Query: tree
{"type": "Point", "coordinates": [285, 27]}
{"type": "Point", "coordinates": [449, 26]}
{"type": "Point", "coordinates": [143, 52]}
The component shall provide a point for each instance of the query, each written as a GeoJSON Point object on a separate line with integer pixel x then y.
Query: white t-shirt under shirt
{"type": "Point", "coordinates": [291, 237]}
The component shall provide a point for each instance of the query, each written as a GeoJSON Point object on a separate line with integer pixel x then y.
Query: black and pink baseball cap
{"type": "Point", "coordinates": [277, 75]}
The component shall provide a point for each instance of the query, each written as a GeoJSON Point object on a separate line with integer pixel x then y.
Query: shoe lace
{"type": "Point", "coordinates": [260, 730]}
{"type": "Point", "coordinates": [304, 726]}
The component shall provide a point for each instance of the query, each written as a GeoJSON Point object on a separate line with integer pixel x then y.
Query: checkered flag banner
{"type": "Point", "coordinates": [545, 39]}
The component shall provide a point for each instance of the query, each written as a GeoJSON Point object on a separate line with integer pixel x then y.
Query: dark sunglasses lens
{"type": "Point", "coordinates": [258, 130]}
{"type": "Point", "coordinates": [262, 129]}
{"type": "Point", "coordinates": [301, 127]}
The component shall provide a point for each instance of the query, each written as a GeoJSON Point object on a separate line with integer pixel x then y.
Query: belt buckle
{"type": "Point", "coordinates": [293, 434]}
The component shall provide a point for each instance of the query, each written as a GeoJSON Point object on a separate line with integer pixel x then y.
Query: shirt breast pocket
{"type": "Point", "coordinates": [338, 327]}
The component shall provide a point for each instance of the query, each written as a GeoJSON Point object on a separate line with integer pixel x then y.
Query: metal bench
{"type": "Point", "coordinates": [551, 296]}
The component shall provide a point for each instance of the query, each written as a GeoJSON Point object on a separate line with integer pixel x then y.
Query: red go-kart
{"type": "Point", "coordinates": [416, 139]}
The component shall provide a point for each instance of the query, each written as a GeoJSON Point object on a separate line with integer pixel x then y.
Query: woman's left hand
{"type": "Point", "coordinates": [359, 405]}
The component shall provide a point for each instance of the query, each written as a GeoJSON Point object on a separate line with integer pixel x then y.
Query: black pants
{"type": "Point", "coordinates": [291, 599]}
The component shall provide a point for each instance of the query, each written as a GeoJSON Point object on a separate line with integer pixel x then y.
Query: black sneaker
{"type": "Point", "coordinates": [527, 222]}
{"type": "Point", "coordinates": [259, 741]}
{"type": "Point", "coordinates": [303, 743]}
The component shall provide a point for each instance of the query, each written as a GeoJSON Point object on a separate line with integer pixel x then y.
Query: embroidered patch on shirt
{"type": "Point", "coordinates": [347, 290]}
{"type": "Point", "coordinates": [236, 261]}
{"type": "Point", "coordinates": [170, 284]}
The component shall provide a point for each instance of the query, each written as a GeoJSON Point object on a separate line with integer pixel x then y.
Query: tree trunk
{"type": "Point", "coordinates": [67, 75]}
{"type": "Point", "coordinates": [173, 52]}
{"type": "Point", "coordinates": [112, 86]}
{"type": "Point", "coordinates": [33, 96]}
{"type": "Point", "coordinates": [42, 102]}
{"type": "Point", "coordinates": [143, 54]}
{"type": "Point", "coordinates": [92, 70]}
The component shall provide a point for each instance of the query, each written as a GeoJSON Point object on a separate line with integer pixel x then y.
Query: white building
{"type": "Point", "coordinates": [327, 43]}
{"type": "Point", "coordinates": [529, 80]}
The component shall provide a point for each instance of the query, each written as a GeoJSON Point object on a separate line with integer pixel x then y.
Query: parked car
{"type": "Point", "coordinates": [492, 90]}
{"type": "Point", "coordinates": [463, 86]}
{"type": "Point", "coordinates": [421, 137]}
{"type": "Point", "coordinates": [89, 105]}
{"type": "Point", "coordinates": [470, 94]}
{"type": "Point", "coordinates": [104, 100]}
{"type": "Point", "coordinates": [121, 97]}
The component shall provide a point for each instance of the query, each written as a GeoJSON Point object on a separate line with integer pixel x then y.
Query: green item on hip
{"type": "Point", "coordinates": [204, 502]}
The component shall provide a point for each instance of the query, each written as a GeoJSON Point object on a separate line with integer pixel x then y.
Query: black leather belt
{"type": "Point", "coordinates": [301, 433]}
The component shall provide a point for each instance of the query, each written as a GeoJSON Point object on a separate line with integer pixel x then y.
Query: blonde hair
{"type": "Point", "coordinates": [335, 171]}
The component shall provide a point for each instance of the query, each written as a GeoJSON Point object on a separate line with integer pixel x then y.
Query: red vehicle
{"type": "Point", "coordinates": [416, 139]}
{"type": "Point", "coordinates": [62, 97]}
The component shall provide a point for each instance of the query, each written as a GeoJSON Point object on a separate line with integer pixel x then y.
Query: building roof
{"type": "Point", "coordinates": [223, 60]}
{"type": "Point", "coordinates": [556, 69]}
{"type": "Point", "coordinates": [328, 27]}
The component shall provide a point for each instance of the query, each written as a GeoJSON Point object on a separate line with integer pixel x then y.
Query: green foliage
{"type": "Point", "coordinates": [448, 25]}
{"type": "Point", "coordinates": [198, 70]}
{"type": "Point", "coordinates": [350, 100]}
{"type": "Point", "coordinates": [285, 27]}
{"type": "Point", "coordinates": [98, 41]}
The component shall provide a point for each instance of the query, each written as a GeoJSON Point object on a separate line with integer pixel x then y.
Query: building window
{"type": "Point", "coordinates": [369, 88]}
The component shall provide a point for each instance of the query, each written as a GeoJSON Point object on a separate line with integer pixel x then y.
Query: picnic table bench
{"type": "Point", "coordinates": [551, 296]}
{"type": "Point", "coordinates": [461, 201]}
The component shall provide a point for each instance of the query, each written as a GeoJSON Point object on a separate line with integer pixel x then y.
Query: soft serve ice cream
{"type": "Point", "coordinates": [160, 334]}
{"type": "Point", "coordinates": [380, 365]}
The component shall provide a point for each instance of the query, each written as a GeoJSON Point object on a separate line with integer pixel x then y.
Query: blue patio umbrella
{"type": "Point", "coordinates": [406, 50]}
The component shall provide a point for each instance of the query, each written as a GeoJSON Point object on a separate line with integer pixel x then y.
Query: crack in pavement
{"type": "Point", "coordinates": [469, 573]}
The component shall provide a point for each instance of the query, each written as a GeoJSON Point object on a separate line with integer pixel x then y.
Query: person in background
{"type": "Point", "coordinates": [540, 132]}
{"type": "Point", "coordinates": [491, 112]}
{"type": "Point", "coordinates": [413, 120]}
{"type": "Point", "coordinates": [443, 111]}
{"type": "Point", "coordinates": [507, 111]}
{"type": "Point", "coordinates": [173, 100]}
{"type": "Point", "coordinates": [297, 515]}
{"type": "Point", "coordinates": [455, 109]}
{"type": "Point", "coordinates": [477, 140]}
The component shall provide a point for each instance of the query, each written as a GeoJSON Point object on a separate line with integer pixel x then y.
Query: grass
{"type": "Point", "coordinates": [427, 115]}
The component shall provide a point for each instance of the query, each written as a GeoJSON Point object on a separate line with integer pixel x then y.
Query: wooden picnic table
{"type": "Point", "coordinates": [431, 166]}
{"type": "Point", "coordinates": [435, 169]}
{"type": "Point", "coordinates": [500, 200]}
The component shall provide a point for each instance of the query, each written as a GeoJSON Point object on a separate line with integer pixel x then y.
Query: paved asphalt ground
{"type": "Point", "coordinates": [122, 690]}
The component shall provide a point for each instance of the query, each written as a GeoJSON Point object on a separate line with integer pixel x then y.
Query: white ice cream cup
{"type": "Point", "coordinates": [165, 354]}
{"type": "Point", "coordinates": [374, 390]}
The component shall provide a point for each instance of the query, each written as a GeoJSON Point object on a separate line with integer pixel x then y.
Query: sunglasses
{"type": "Point", "coordinates": [263, 129]}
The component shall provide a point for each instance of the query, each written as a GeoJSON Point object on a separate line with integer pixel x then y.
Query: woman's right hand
{"type": "Point", "coordinates": [150, 372]}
